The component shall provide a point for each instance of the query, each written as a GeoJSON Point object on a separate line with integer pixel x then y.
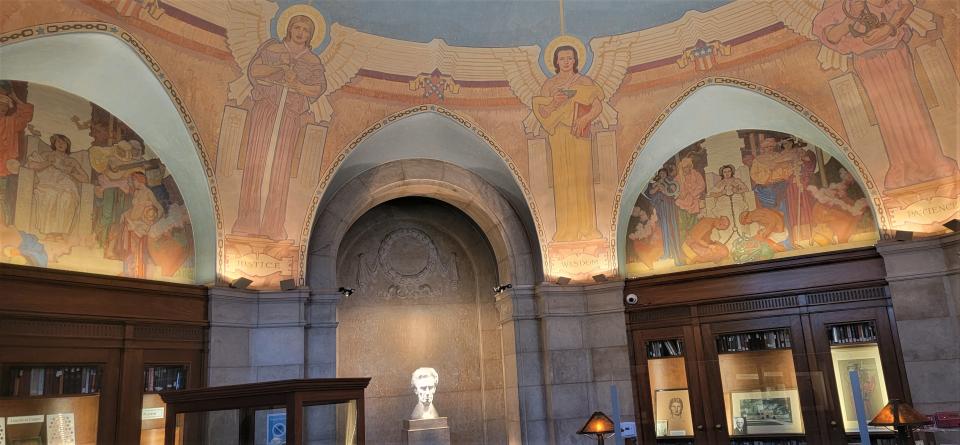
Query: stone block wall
{"type": "Point", "coordinates": [924, 278]}
{"type": "Point", "coordinates": [584, 353]}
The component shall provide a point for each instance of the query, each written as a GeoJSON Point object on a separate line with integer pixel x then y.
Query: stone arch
{"type": "Point", "coordinates": [432, 121]}
{"type": "Point", "coordinates": [480, 201]}
{"type": "Point", "coordinates": [135, 90]}
{"type": "Point", "coordinates": [443, 181]}
{"type": "Point", "coordinates": [718, 105]}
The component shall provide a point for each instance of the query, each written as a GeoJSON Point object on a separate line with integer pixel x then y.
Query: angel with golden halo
{"type": "Point", "coordinates": [284, 85]}
{"type": "Point", "coordinates": [566, 106]}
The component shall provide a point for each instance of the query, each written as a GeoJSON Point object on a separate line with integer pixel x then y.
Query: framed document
{"type": "Point", "coordinates": [61, 430]}
{"type": "Point", "coordinates": [767, 412]}
{"type": "Point", "coordinates": [865, 360]}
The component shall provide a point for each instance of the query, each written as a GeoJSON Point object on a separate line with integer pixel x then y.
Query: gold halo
{"type": "Point", "coordinates": [320, 25]}
{"type": "Point", "coordinates": [564, 39]}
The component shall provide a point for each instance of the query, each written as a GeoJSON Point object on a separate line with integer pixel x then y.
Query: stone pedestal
{"type": "Point", "coordinates": [426, 432]}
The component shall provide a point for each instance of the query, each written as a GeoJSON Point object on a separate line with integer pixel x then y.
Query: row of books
{"type": "Point", "coordinates": [50, 380]}
{"type": "Point", "coordinates": [156, 379]}
{"type": "Point", "coordinates": [754, 341]}
{"type": "Point", "coordinates": [853, 333]}
{"type": "Point", "coordinates": [665, 348]}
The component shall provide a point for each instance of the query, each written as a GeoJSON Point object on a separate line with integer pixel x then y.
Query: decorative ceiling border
{"type": "Point", "coordinates": [60, 28]}
{"type": "Point", "coordinates": [867, 179]}
{"type": "Point", "coordinates": [385, 122]}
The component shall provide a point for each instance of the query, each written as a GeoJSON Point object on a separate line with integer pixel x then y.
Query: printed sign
{"type": "Point", "coordinates": [277, 429]}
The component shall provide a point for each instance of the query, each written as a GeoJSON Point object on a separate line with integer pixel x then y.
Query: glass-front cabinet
{"type": "Point", "coordinates": [764, 355]}
{"type": "Point", "coordinates": [669, 397]}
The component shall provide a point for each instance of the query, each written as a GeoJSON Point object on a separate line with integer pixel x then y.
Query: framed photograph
{"type": "Point", "coordinates": [865, 360]}
{"type": "Point", "coordinates": [673, 407]}
{"type": "Point", "coordinates": [767, 412]}
{"type": "Point", "coordinates": [739, 426]}
{"type": "Point", "coordinates": [661, 428]}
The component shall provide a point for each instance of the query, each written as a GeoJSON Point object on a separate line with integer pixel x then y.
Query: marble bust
{"type": "Point", "coordinates": [424, 382]}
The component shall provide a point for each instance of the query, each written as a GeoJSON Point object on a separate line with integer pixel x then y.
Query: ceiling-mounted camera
{"type": "Point", "coordinates": [632, 299]}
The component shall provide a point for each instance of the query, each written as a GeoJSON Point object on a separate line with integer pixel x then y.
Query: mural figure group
{"type": "Point", "coordinates": [781, 197]}
{"type": "Point", "coordinates": [110, 206]}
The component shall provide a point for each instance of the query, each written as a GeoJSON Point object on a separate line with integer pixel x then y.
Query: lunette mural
{"type": "Point", "coordinates": [79, 190]}
{"type": "Point", "coordinates": [744, 196]}
{"type": "Point", "coordinates": [302, 91]}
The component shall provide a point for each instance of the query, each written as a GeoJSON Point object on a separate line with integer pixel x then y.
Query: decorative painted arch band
{"type": "Point", "coordinates": [116, 31]}
{"type": "Point", "coordinates": [852, 156]}
{"type": "Point", "coordinates": [385, 122]}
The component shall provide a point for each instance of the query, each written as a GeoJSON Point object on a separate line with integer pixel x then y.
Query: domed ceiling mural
{"type": "Point", "coordinates": [567, 97]}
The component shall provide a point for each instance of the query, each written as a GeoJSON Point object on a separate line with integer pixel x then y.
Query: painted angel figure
{"type": "Point", "coordinates": [285, 77]}
{"type": "Point", "coordinates": [568, 104]}
{"type": "Point", "coordinates": [873, 34]}
{"type": "Point", "coordinates": [285, 86]}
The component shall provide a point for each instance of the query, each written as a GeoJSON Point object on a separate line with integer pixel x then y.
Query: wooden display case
{"type": "Point", "coordinates": [763, 349]}
{"type": "Point", "coordinates": [105, 330]}
{"type": "Point", "coordinates": [268, 412]}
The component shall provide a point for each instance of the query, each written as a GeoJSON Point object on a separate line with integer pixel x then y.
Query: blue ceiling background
{"type": "Point", "coordinates": [501, 23]}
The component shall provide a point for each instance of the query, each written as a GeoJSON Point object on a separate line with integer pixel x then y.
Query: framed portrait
{"type": "Point", "coordinates": [865, 359]}
{"type": "Point", "coordinates": [672, 406]}
{"type": "Point", "coordinates": [766, 412]}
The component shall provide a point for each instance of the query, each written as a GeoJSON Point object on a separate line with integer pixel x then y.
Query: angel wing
{"type": "Point", "coordinates": [611, 58]}
{"type": "Point", "coordinates": [798, 15]}
{"type": "Point", "coordinates": [248, 26]}
{"type": "Point", "coordinates": [521, 67]}
{"type": "Point", "coordinates": [347, 52]}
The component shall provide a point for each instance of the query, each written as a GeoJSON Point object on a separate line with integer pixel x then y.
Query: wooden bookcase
{"type": "Point", "coordinates": [105, 331]}
{"type": "Point", "coordinates": [768, 343]}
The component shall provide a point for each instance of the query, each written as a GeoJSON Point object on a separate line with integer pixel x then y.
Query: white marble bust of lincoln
{"type": "Point", "coordinates": [424, 382]}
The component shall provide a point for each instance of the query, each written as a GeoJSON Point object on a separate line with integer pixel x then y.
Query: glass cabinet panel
{"type": "Point", "coordinates": [853, 347]}
{"type": "Point", "coordinates": [670, 393]}
{"type": "Point", "coordinates": [760, 392]}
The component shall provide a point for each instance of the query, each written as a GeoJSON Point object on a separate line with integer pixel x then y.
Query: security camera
{"type": "Point", "coordinates": [502, 287]}
{"type": "Point", "coordinates": [346, 291]}
{"type": "Point", "coordinates": [633, 299]}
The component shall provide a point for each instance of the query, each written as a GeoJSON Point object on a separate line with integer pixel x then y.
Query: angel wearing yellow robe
{"type": "Point", "coordinates": [568, 104]}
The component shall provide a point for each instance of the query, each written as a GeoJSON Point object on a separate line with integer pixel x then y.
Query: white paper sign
{"type": "Point", "coordinates": [3, 431]}
{"type": "Point", "coordinates": [60, 429]}
{"type": "Point", "coordinates": [150, 414]}
{"type": "Point", "coordinates": [24, 419]}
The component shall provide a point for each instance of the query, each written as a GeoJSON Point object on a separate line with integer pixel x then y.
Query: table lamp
{"type": "Point", "coordinates": [598, 424]}
{"type": "Point", "coordinates": [902, 417]}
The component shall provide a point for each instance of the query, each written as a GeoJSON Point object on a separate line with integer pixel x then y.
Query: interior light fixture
{"type": "Point", "coordinates": [598, 424]}
{"type": "Point", "coordinates": [241, 283]}
{"type": "Point", "coordinates": [502, 287]}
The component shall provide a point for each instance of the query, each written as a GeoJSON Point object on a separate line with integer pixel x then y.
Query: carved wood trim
{"type": "Point", "coordinates": [52, 328]}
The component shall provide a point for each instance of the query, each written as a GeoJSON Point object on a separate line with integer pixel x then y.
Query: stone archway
{"type": "Point", "coordinates": [501, 226]}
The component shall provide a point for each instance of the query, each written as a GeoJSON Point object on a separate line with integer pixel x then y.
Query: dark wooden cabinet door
{"type": "Point", "coordinates": [736, 377]}
{"type": "Point", "coordinates": [665, 374]}
{"type": "Point", "coordinates": [824, 344]}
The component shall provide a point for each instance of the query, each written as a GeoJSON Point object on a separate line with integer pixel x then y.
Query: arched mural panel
{"type": "Point", "coordinates": [743, 196]}
{"type": "Point", "coordinates": [80, 190]}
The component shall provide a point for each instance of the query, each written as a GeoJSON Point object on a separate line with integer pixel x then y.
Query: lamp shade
{"type": "Point", "coordinates": [897, 413]}
{"type": "Point", "coordinates": [599, 423]}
